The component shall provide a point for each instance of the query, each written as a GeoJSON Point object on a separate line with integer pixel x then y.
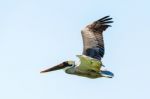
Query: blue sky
{"type": "Point", "coordinates": [36, 34]}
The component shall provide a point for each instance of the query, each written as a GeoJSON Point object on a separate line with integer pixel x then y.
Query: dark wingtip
{"type": "Point", "coordinates": [105, 20]}
{"type": "Point", "coordinates": [101, 24]}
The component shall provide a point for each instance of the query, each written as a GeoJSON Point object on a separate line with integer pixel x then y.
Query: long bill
{"type": "Point", "coordinates": [57, 67]}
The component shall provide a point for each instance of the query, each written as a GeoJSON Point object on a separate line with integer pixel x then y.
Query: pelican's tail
{"type": "Point", "coordinates": [106, 73]}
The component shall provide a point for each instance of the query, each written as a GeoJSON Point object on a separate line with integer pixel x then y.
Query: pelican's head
{"type": "Point", "coordinates": [66, 64]}
{"type": "Point", "coordinates": [70, 63]}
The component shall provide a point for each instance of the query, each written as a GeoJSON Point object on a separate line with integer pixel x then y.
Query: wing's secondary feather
{"type": "Point", "coordinates": [93, 37]}
{"type": "Point", "coordinates": [89, 64]}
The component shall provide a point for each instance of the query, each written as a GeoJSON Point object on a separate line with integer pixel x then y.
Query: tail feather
{"type": "Point", "coordinates": [106, 73]}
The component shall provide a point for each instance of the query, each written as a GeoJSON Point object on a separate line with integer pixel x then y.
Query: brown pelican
{"type": "Point", "coordinates": [90, 61]}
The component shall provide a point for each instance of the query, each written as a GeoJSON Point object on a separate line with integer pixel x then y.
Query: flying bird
{"type": "Point", "coordinates": [90, 65]}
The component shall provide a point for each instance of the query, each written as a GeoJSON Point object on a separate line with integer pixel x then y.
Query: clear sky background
{"type": "Point", "coordinates": [36, 34]}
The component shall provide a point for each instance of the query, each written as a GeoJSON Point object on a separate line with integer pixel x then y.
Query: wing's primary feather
{"type": "Point", "coordinates": [93, 37]}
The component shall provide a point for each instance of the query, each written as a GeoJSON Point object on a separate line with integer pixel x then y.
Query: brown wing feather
{"type": "Point", "coordinates": [93, 37]}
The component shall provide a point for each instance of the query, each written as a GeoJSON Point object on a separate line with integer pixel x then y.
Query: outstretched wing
{"type": "Point", "coordinates": [93, 38]}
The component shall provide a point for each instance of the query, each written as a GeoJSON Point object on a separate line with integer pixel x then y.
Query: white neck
{"type": "Point", "coordinates": [70, 70]}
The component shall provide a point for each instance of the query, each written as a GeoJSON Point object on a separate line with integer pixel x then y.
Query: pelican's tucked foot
{"type": "Point", "coordinates": [106, 73]}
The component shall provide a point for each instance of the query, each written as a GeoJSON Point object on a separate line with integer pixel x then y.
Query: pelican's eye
{"type": "Point", "coordinates": [71, 63]}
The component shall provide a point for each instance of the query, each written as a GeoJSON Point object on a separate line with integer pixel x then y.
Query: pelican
{"type": "Point", "coordinates": [90, 65]}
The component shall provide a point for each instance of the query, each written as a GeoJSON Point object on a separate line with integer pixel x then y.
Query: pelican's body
{"type": "Point", "coordinates": [88, 67]}
{"type": "Point", "coordinates": [90, 62]}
